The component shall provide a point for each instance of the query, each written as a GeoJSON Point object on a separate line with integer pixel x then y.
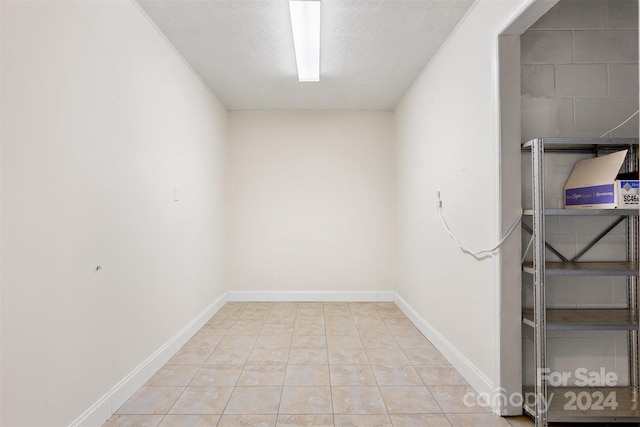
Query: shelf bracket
{"type": "Point", "coordinates": [597, 239]}
{"type": "Point", "coordinates": [546, 244]}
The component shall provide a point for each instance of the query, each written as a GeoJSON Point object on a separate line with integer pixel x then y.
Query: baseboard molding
{"type": "Point", "coordinates": [97, 414]}
{"type": "Point", "coordinates": [474, 377]}
{"type": "Point", "coordinates": [328, 296]}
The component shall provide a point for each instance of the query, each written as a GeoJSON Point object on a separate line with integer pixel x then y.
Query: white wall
{"type": "Point", "coordinates": [311, 201]}
{"type": "Point", "coordinates": [100, 119]}
{"type": "Point", "coordinates": [448, 139]}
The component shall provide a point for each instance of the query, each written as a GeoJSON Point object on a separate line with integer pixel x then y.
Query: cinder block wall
{"type": "Point", "coordinates": [580, 69]}
{"type": "Point", "coordinates": [579, 78]}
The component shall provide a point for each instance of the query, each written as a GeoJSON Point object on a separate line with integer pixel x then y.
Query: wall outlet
{"type": "Point", "coordinates": [439, 198]}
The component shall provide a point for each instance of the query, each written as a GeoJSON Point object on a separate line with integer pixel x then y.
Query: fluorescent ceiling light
{"type": "Point", "coordinates": [305, 22]}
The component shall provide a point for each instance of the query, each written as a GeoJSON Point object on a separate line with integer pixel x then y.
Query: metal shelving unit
{"type": "Point", "coordinates": [591, 319]}
{"type": "Point", "coordinates": [580, 404]}
{"type": "Point", "coordinates": [625, 412]}
{"type": "Point", "coordinates": [621, 268]}
{"type": "Point", "coordinates": [586, 212]}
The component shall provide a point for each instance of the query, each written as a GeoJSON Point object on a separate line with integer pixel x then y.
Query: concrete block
{"type": "Point", "coordinates": [593, 225]}
{"type": "Point", "coordinates": [581, 80]}
{"type": "Point", "coordinates": [566, 225]}
{"type": "Point", "coordinates": [622, 14]}
{"type": "Point", "coordinates": [573, 14]}
{"type": "Point", "coordinates": [555, 177]}
{"type": "Point", "coordinates": [628, 130]}
{"type": "Point", "coordinates": [586, 352]}
{"type": "Point", "coordinates": [622, 359]}
{"type": "Point", "coordinates": [537, 80]}
{"type": "Point", "coordinates": [546, 117]}
{"type": "Point", "coordinates": [620, 296]}
{"type": "Point", "coordinates": [612, 247]}
{"type": "Point", "coordinates": [546, 47]}
{"type": "Point", "coordinates": [605, 46]}
{"type": "Point", "coordinates": [602, 114]}
{"type": "Point", "coordinates": [623, 80]}
{"type": "Point", "coordinates": [582, 291]}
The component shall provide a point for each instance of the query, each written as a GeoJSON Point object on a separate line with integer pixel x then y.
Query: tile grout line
{"type": "Point", "coordinates": [333, 408]}
{"type": "Point", "coordinates": [233, 318]}
{"type": "Point", "coordinates": [375, 378]}
{"type": "Point", "coordinates": [243, 365]}
{"type": "Point", "coordinates": [286, 368]}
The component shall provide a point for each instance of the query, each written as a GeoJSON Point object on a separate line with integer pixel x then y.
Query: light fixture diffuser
{"type": "Point", "coordinates": [305, 23]}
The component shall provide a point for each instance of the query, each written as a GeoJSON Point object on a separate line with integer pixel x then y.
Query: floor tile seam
{"type": "Point", "coordinates": [186, 414]}
{"type": "Point", "coordinates": [219, 421]}
{"type": "Point", "coordinates": [386, 407]}
{"type": "Point", "coordinates": [173, 404]}
{"type": "Point", "coordinates": [146, 414]}
{"type": "Point", "coordinates": [286, 368]}
{"type": "Point", "coordinates": [287, 364]}
{"type": "Point", "coordinates": [281, 394]}
{"type": "Point", "coordinates": [413, 413]}
{"type": "Point", "coordinates": [160, 386]}
{"type": "Point", "coordinates": [360, 337]}
{"type": "Point", "coordinates": [386, 326]}
{"type": "Point", "coordinates": [333, 409]}
{"type": "Point", "coordinates": [234, 387]}
{"type": "Point", "coordinates": [404, 351]}
{"type": "Point", "coordinates": [437, 402]}
{"type": "Point", "coordinates": [400, 385]}
{"type": "Point", "coordinates": [483, 413]}
{"type": "Point", "coordinates": [237, 379]}
{"type": "Point", "coordinates": [369, 364]}
{"type": "Point", "coordinates": [450, 420]}
{"type": "Point", "coordinates": [354, 322]}
{"type": "Point", "coordinates": [357, 386]}
{"type": "Point", "coordinates": [234, 323]}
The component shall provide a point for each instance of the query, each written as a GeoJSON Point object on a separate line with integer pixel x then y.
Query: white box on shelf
{"type": "Point", "coordinates": [594, 184]}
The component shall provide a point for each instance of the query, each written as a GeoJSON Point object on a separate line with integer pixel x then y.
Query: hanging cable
{"type": "Point", "coordinates": [620, 125]}
{"type": "Point", "coordinates": [480, 254]}
{"type": "Point", "coordinates": [483, 253]}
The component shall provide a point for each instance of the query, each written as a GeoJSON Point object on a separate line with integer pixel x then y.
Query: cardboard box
{"type": "Point", "coordinates": [594, 184]}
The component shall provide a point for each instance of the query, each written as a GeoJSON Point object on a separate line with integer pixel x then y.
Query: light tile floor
{"type": "Point", "coordinates": [307, 364]}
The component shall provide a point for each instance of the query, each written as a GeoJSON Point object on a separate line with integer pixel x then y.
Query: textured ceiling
{"type": "Point", "coordinates": [371, 50]}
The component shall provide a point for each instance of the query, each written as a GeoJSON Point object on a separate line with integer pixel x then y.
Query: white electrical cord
{"type": "Point", "coordinates": [477, 254]}
{"type": "Point", "coordinates": [609, 131]}
{"type": "Point", "coordinates": [526, 251]}
{"type": "Point", "coordinates": [482, 253]}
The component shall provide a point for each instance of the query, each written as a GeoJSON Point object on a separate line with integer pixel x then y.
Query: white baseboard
{"type": "Point", "coordinates": [469, 372]}
{"type": "Point", "coordinates": [97, 414]}
{"type": "Point", "coordinates": [328, 296]}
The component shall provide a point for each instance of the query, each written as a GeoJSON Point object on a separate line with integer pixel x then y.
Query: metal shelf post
{"type": "Point", "coordinates": [614, 319]}
{"type": "Point", "coordinates": [537, 159]}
